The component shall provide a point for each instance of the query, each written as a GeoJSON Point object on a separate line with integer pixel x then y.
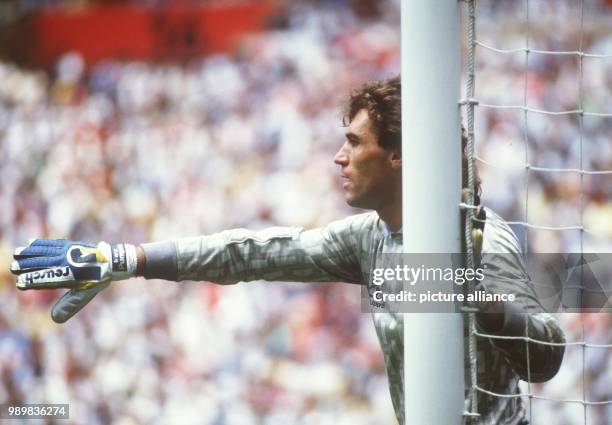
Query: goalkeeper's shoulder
{"type": "Point", "coordinates": [498, 236]}
{"type": "Point", "coordinates": [364, 223]}
{"type": "Point", "coordinates": [360, 230]}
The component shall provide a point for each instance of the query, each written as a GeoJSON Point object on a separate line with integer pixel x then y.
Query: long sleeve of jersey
{"type": "Point", "coordinates": [332, 253]}
{"type": "Point", "coordinates": [505, 273]}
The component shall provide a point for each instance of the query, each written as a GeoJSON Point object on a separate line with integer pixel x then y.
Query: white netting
{"type": "Point", "coordinates": [538, 107]}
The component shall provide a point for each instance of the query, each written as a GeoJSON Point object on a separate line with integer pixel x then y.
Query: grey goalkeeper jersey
{"type": "Point", "coordinates": [346, 250]}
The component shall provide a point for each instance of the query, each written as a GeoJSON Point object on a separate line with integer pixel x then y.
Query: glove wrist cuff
{"type": "Point", "coordinates": [122, 259]}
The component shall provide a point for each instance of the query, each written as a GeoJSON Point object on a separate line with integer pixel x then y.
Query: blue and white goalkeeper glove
{"type": "Point", "coordinates": [83, 268]}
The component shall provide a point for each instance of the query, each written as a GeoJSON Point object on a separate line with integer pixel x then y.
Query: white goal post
{"type": "Point", "coordinates": [431, 128]}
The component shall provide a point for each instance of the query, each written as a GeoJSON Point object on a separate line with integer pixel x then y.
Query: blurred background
{"type": "Point", "coordinates": [147, 120]}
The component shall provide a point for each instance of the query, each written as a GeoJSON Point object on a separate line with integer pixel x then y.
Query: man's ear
{"type": "Point", "coordinates": [396, 159]}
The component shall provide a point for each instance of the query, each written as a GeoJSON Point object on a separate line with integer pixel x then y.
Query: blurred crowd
{"type": "Point", "coordinates": [509, 140]}
{"type": "Point", "coordinates": [135, 151]}
{"type": "Point", "coordinates": [138, 152]}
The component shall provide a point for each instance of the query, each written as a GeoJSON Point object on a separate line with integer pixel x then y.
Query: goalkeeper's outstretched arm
{"type": "Point", "coordinates": [332, 253]}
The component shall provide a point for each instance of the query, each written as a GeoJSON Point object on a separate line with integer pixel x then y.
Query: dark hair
{"type": "Point", "coordinates": [383, 102]}
{"type": "Point", "coordinates": [382, 99]}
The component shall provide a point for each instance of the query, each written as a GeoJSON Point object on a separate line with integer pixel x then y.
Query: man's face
{"type": "Point", "coordinates": [371, 175]}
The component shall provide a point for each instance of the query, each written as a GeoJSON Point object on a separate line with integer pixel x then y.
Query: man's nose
{"type": "Point", "coordinates": [341, 157]}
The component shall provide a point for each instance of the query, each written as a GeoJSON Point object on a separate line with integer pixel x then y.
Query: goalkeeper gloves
{"type": "Point", "coordinates": [83, 268]}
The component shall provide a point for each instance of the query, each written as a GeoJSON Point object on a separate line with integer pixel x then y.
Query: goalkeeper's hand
{"type": "Point", "coordinates": [83, 268]}
{"type": "Point", "coordinates": [491, 315]}
{"type": "Point", "coordinates": [478, 225]}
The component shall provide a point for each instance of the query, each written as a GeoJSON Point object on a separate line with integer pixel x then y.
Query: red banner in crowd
{"type": "Point", "coordinates": [128, 32]}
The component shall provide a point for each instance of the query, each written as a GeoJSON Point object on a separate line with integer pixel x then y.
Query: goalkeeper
{"type": "Point", "coordinates": [370, 164]}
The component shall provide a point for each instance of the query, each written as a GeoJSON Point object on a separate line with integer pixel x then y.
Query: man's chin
{"type": "Point", "coordinates": [353, 201]}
